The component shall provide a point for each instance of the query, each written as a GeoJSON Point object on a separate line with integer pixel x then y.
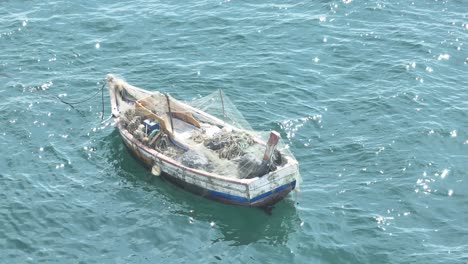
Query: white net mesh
{"type": "Point", "coordinates": [219, 105]}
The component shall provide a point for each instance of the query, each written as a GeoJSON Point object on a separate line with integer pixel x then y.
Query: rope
{"type": "Point", "coordinates": [87, 99]}
{"type": "Point", "coordinates": [107, 119]}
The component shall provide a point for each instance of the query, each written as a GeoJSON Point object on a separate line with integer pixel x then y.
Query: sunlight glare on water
{"type": "Point", "coordinates": [370, 97]}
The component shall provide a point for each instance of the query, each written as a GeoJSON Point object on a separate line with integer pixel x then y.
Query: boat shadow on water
{"type": "Point", "coordinates": [243, 226]}
{"type": "Point", "coordinates": [238, 225]}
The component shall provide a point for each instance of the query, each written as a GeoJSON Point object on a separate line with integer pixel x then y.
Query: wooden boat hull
{"type": "Point", "coordinates": [261, 191]}
{"type": "Point", "coordinates": [258, 192]}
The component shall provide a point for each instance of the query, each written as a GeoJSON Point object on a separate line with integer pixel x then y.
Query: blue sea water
{"type": "Point", "coordinates": [371, 96]}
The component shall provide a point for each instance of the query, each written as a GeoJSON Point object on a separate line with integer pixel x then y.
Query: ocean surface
{"type": "Point", "coordinates": [371, 96]}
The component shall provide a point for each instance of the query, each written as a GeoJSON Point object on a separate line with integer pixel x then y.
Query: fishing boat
{"type": "Point", "coordinates": [204, 145]}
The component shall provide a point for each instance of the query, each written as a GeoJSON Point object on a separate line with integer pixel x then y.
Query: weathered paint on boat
{"type": "Point", "coordinates": [256, 192]}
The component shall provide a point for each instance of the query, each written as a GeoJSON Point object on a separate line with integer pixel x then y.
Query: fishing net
{"type": "Point", "coordinates": [207, 133]}
{"type": "Point", "coordinates": [220, 106]}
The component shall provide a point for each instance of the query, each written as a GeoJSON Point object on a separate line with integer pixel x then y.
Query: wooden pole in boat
{"type": "Point", "coordinates": [170, 113]}
{"type": "Point", "coordinates": [271, 146]}
{"type": "Point", "coordinates": [222, 103]}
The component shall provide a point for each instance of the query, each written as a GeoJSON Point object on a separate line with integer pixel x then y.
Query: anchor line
{"type": "Point", "coordinates": [71, 103]}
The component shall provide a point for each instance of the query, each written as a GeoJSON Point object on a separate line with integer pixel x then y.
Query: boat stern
{"type": "Point", "coordinates": [271, 188]}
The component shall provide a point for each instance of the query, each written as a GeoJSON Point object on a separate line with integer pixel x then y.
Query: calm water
{"type": "Point", "coordinates": [371, 96]}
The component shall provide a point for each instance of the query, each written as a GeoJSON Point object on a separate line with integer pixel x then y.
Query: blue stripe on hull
{"type": "Point", "coordinates": [229, 196]}
{"type": "Point", "coordinates": [240, 199]}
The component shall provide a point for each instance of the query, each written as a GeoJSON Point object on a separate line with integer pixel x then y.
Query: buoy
{"type": "Point", "coordinates": [156, 170]}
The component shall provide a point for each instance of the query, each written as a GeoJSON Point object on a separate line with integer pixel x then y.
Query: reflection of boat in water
{"type": "Point", "coordinates": [216, 157]}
